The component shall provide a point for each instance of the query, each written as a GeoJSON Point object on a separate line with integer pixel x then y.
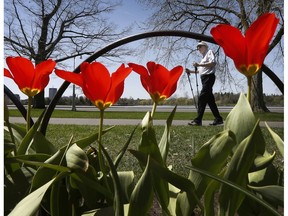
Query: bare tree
{"type": "Point", "coordinates": [200, 16]}
{"type": "Point", "coordinates": [57, 29]}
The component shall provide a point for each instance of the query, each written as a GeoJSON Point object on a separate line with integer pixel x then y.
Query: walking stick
{"type": "Point", "coordinates": [196, 82]}
{"type": "Point", "coordinates": [188, 75]}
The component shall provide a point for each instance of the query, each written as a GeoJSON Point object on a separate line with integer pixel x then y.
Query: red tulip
{"type": "Point", "coordinates": [30, 80]}
{"type": "Point", "coordinates": [158, 81]}
{"type": "Point", "coordinates": [97, 84]}
{"type": "Point", "coordinates": [248, 51]}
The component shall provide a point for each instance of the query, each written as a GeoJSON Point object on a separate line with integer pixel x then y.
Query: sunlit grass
{"type": "Point", "coordinates": [269, 116]}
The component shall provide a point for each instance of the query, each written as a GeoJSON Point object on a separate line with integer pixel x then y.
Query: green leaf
{"type": "Point", "coordinates": [30, 204]}
{"type": "Point", "coordinates": [59, 200]}
{"type": "Point", "coordinates": [237, 172]}
{"type": "Point", "coordinates": [237, 187]}
{"type": "Point", "coordinates": [142, 195]}
{"type": "Point", "coordinates": [173, 178]}
{"type": "Point", "coordinates": [211, 157]}
{"type": "Point", "coordinates": [26, 142]}
{"type": "Point", "coordinates": [76, 158]}
{"type": "Point", "coordinates": [123, 150]}
{"type": "Point", "coordinates": [126, 179]}
{"type": "Point", "coordinates": [148, 145]}
{"type": "Point", "coordinates": [261, 162]}
{"type": "Point", "coordinates": [273, 193]}
{"type": "Point", "coordinates": [118, 197]}
{"type": "Point", "coordinates": [241, 119]}
{"type": "Point", "coordinates": [82, 143]}
{"type": "Point", "coordinates": [30, 157]}
{"type": "Point", "coordinates": [279, 142]}
{"type": "Point", "coordinates": [165, 140]}
{"type": "Point", "coordinates": [85, 183]}
{"type": "Point", "coordinates": [267, 176]}
{"type": "Point", "coordinates": [42, 145]}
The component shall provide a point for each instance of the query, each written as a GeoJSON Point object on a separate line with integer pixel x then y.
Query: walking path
{"type": "Point", "coordinates": [85, 121]}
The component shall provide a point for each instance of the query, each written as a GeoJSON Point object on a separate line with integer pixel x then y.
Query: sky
{"type": "Point", "coordinates": [132, 13]}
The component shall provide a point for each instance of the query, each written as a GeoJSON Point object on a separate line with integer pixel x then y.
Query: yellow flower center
{"type": "Point", "coordinates": [101, 105]}
{"type": "Point", "coordinates": [30, 92]}
{"type": "Point", "coordinates": [250, 70]}
{"type": "Point", "coordinates": [156, 97]}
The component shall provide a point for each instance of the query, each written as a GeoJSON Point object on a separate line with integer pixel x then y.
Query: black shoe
{"type": "Point", "coordinates": [195, 123]}
{"type": "Point", "coordinates": [217, 122]}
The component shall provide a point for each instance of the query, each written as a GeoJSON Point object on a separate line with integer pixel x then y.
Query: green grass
{"type": "Point", "coordinates": [270, 116]}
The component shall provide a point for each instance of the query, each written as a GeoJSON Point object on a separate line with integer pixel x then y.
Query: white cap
{"type": "Point", "coordinates": [202, 43]}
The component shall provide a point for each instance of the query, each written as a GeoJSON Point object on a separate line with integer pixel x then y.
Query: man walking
{"type": "Point", "coordinates": [206, 69]}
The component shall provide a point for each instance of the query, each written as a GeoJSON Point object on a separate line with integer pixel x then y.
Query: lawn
{"type": "Point", "coordinates": [267, 116]}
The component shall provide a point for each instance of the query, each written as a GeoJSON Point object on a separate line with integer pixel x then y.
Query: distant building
{"type": "Point", "coordinates": [52, 92]}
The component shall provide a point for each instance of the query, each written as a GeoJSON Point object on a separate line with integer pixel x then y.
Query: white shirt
{"type": "Point", "coordinates": [208, 57]}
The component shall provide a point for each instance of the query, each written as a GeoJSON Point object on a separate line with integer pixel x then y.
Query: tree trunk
{"type": "Point", "coordinates": [257, 98]}
{"type": "Point", "coordinates": [39, 101]}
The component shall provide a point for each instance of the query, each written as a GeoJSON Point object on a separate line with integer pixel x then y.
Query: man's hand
{"type": "Point", "coordinates": [188, 71]}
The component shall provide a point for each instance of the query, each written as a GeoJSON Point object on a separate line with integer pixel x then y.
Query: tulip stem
{"type": "Point", "coordinates": [28, 114]}
{"type": "Point", "coordinates": [100, 155]}
{"type": "Point", "coordinates": [153, 110]}
{"type": "Point", "coordinates": [249, 79]}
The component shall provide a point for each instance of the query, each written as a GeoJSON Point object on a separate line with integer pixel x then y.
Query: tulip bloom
{"type": "Point", "coordinates": [102, 89]}
{"type": "Point", "coordinates": [248, 51]}
{"type": "Point", "coordinates": [158, 81]}
{"type": "Point", "coordinates": [30, 80]}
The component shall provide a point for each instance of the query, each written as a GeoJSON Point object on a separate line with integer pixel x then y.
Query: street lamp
{"type": "Point", "coordinates": [73, 91]}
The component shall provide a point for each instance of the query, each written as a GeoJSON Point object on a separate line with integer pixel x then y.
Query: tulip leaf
{"type": "Point", "coordinates": [237, 187]}
{"type": "Point", "coordinates": [267, 176]}
{"type": "Point", "coordinates": [165, 140]}
{"type": "Point", "coordinates": [279, 142]}
{"type": "Point", "coordinates": [30, 157]}
{"type": "Point", "coordinates": [262, 162]}
{"type": "Point", "coordinates": [273, 193]}
{"type": "Point", "coordinates": [241, 119]}
{"type": "Point", "coordinates": [148, 145]}
{"type": "Point", "coordinates": [42, 145]}
{"type": "Point", "coordinates": [82, 143]}
{"type": "Point", "coordinates": [76, 158]}
{"type": "Point", "coordinates": [123, 150]}
{"type": "Point", "coordinates": [211, 157]}
{"type": "Point", "coordinates": [174, 179]}
{"type": "Point", "coordinates": [26, 142]}
{"type": "Point", "coordinates": [237, 172]}
{"type": "Point", "coordinates": [30, 204]}
{"type": "Point", "coordinates": [59, 200]}
{"type": "Point", "coordinates": [126, 179]}
{"type": "Point", "coordinates": [82, 182]}
{"type": "Point", "coordinates": [142, 195]}
{"type": "Point", "coordinates": [118, 197]}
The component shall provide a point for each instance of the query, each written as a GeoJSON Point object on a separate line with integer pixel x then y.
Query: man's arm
{"type": "Point", "coordinates": [188, 71]}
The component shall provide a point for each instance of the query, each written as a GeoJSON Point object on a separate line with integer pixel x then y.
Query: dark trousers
{"type": "Point", "coordinates": [206, 97]}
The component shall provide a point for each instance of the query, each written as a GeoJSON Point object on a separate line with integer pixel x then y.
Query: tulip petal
{"type": "Point", "coordinates": [42, 72]}
{"type": "Point", "coordinates": [7, 73]}
{"type": "Point", "coordinates": [159, 77]}
{"type": "Point", "coordinates": [97, 81]}
{"type": "Point", "coordinates": [22, 70]}
{"type": "Point", "coordinates": [70, 77]}
{"type": "Point", "coordinates": [259, 35]}
{"type": "Point", "coordinates": [171, 87]}
{"type": "Point", "coordinates": [117, 84]}
{"type": "Point", "coordinates": [144, 76]}
{"type": "Point", "coordinates": [232, 41]}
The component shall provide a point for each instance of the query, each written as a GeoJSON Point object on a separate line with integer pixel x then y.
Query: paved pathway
{"type": "Point", "coordinates": [82, 121]}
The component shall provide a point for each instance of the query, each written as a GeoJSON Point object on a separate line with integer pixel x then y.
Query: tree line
{"type": "Point", "coordinates": [222, 99]}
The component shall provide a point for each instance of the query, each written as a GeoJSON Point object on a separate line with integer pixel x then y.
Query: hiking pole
{"type": "Point", "coordinates": [196, 82]}
{"type": "Point", "coordinates": [188, 75]}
